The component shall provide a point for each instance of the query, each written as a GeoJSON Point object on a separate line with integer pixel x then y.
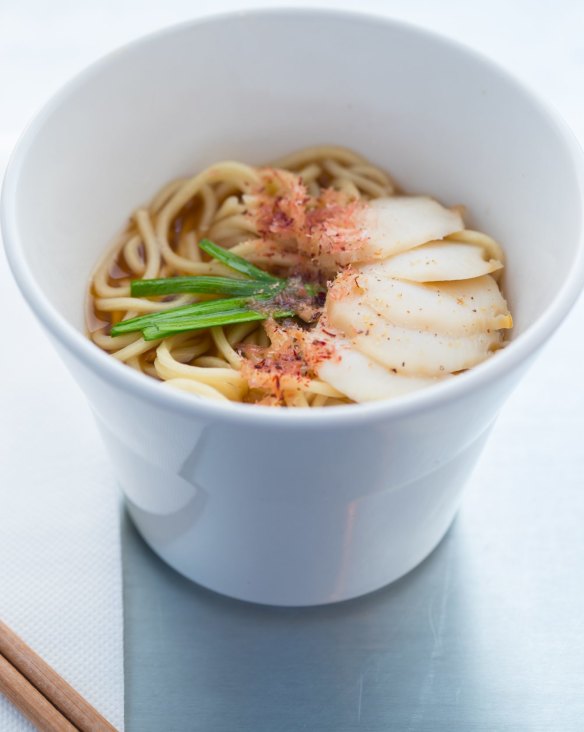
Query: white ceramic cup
{"type": "Point", "coordinates": [293, 507]}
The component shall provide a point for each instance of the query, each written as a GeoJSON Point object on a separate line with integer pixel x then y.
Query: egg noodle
{"type": "Point", "coordinates": [161, 241]}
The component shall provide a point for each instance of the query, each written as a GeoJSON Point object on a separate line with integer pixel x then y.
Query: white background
{"type": "Point", "coordinates": [529, 483]}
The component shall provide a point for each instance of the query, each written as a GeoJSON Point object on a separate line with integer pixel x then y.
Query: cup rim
{"type": "Point", "coordinates": [141, 386]}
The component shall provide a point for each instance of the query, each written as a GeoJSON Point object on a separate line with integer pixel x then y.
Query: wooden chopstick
{"type": "Point", "coordinates": [45, 681]}
{"type": "Point", "coordinates": [30, 701]}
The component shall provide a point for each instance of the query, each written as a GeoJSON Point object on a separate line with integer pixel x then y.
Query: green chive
{"type": "Point", "coordinates": [183, 311]}
{"type": "Point", "coordinates": [239, 264]}
{"type": "Point", "coordinates": [226, 317]}
{"type": "Point", "coordinates": [210, 285]}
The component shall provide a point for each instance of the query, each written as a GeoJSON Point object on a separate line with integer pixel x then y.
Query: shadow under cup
{"type": "Point", "coordinates": [269, 505]}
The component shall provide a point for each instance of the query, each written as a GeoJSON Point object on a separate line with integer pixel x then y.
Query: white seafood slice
{"type": "Point", "coordinates": [459, 308]}
{"type": "Point", "coordinates": [408, 351]}
{"type": "Point", "coordinates": [362, 379]}
{"type": "Point", "coordinates": [396, 224]}
{"type": "Point", "coordinates": [440, 262]}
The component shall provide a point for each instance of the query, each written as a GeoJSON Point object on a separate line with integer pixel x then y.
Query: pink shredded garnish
{"type": "Point", "coordinates": [288, 363]}
{"type": "Point", "coordinates": [343, 284]}
{"type": "Point", "coordinates": [280, 207]}
{"type": "Point", "coordinates": [325, 229]}
{"type": "Point", "coordinates": [332, 227]}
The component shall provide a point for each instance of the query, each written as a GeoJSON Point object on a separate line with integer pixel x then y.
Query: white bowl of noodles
{"type": "Point", "coordinates": [311, 504]}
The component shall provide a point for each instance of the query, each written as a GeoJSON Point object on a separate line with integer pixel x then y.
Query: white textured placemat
{"type": "Point", "coordinates": [60, 567]}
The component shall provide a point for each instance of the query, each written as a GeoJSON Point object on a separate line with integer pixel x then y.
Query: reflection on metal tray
{"type": "Point", "coordinates": [484, 635]}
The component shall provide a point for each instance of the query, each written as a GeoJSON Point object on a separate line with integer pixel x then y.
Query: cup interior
{"type": "Point", "coordinates": [442, 120]}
